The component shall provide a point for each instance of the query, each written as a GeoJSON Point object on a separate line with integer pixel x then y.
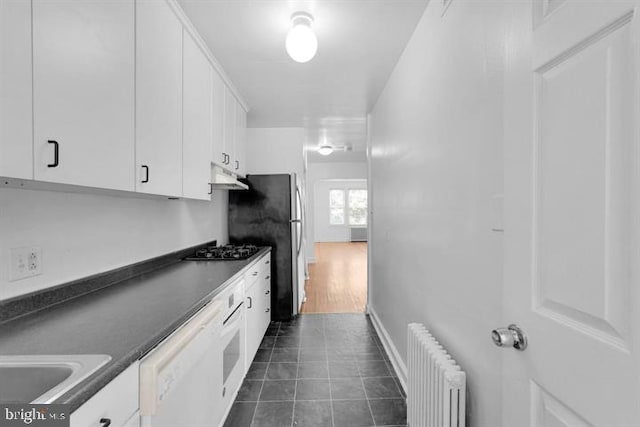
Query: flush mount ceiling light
{"type": "Point", "coordinates": [302, 43]}
{"type": "Point", "coordinates": [325, 150]}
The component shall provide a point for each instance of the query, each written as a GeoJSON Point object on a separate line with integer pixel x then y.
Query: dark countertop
{"type": "Point", "coordinates": [125, 320]}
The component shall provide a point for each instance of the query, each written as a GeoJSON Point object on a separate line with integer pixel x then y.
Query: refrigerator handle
{"type": "Point", "coordinates": [301, 214]}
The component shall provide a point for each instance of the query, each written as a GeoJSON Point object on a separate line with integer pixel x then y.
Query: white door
{"type": "Point", "coordinates": [158, 99]}
{"type": "Point", "coordinates": [197, 122]}
{"type": "Point", "coordinates": [83, 92]}
{"type": "Point", "coordinates": [571, 214]}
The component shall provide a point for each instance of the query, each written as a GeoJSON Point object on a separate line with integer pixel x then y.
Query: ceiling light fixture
{"type": "Point", "coordinates": [302, 43]}
{"type": "Point", "coordinates": [325, 150]}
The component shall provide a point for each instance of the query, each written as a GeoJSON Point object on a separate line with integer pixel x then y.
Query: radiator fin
{"type": "Point", "coordinates": [436, 384]}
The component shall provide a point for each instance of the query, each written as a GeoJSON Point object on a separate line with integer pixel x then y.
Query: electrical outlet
{"type": "Point", "coordinates": [34, 261]}
{"type": "Point", "coordinates": [25, 262]}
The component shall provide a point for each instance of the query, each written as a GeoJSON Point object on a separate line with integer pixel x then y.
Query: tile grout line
{"type": "Point", "coordinates": [326, 352]}
{"type": "Point", "coordinates": [295, 389]}
{"type": "Point", "coordinates": [255, 410]}
{"type": "Point", "coordinates": [366, 395]}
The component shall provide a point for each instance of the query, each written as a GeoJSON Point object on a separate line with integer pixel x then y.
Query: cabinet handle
{"type": "Point", "coordinates": [268, 262]}
{"type": "Point", "coordinates": [210, 188]}
{"type": "Point", "coordinates": [106, 422]}
{"type": "Point", "coordinates": [146, 175]}
{"type": "Point", "coordinates": [56, 154]}
{"type": "Point", "coordinates": [255, 273]}
{"type": "Point", "coordinates": [267, 293]}
{"type": "Point", "coordinates": [267, 310]}
{"type": "Point", "coordinates": [226, 159]}
{"type": "Point", "coordinates": [250, 302]}
{"type": "Point", "coordinates": [237, 165]}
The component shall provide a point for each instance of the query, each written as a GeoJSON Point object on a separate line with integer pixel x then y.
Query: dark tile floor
{"type": "Point", "coordinates": [320, 370]}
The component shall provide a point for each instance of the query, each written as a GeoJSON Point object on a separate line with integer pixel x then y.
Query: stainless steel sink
{"type": "Point", "coordinates": [44, 378]}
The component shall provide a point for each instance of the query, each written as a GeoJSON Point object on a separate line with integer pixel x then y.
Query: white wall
{"type": "Point", "coordinates": [324, 231]}
{"type": "Point", "coordinates": [84, 234]}
{"type": "Point", "coordinates": [323, 171]}
{"type": "Point", "coordinates": [275, 150]}
{"type": "Point", "coordinates": [436, 146]}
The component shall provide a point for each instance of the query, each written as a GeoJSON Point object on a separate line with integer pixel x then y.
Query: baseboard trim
{"type": "Point", "coordinates": [390, 348]}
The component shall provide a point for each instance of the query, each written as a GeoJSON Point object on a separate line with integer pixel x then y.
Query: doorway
{"type": "Point", "coordinates": [337, 280]}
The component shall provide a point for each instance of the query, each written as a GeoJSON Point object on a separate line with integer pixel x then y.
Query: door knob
{"type": "Point", "coordinates": [511, 336]}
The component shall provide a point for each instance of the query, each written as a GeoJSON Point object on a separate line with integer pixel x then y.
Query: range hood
{"type": "Point", "coordinates": [223, 180]}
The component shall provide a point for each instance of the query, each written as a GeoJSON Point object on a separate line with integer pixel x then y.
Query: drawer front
{"type": "Point", "coordinates": [258, 271]}
{"type": "Point", "coordinates": [265, 264]}
{"type": "Point", "coordinates": [117, 402]}
{"type": "Point", "coordinates": [252, 275]}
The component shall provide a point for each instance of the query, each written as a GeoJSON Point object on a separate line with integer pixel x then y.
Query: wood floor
{"type": "Point", "coordinates": [338, 279]}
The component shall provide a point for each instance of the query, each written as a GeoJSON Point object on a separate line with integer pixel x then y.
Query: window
{"type": "Point", "coordinates": [336, 207]}
{"type": "Point", "coordinates": [357, 202]}
{"type": "Point", "coordinates": [351, 210]}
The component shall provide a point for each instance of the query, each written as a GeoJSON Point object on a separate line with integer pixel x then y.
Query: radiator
{"type": "Point", "coordinates": [358, 234]}
{"type": "Point", "coordinates": [436, 384]}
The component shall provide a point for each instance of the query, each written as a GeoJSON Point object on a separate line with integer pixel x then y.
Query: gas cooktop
{"type": "Point", "coordinates": [228, 252]}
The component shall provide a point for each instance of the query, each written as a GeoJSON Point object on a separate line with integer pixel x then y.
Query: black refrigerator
{"type": "Point", "coordinates": [270, 213]}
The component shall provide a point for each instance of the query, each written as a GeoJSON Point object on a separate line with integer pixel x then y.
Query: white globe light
{"type": "Point", "coordinates": [325, 150]}
{"type": "Point", "coordinates": [302, 43]}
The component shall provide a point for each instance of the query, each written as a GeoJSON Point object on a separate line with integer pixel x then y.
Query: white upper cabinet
{"type": "Point", "coordinates": [240, 140]}
{"type": "Point", "coordinates": [229, 129]}
{"type": "Point", "coordinates": [83, 93]}
{"type": "Point", "coordinates": [158, 99]}
{"type": "Point", "coordinates": [16, 127]}
{"type": "Point", "coordinates": [197, 121]}
{"type": "Point", "coordinates": [118, 95]}
{"type": "Point", "coordinates": [219, 89]}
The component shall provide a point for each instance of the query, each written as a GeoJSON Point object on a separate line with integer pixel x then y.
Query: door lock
{"type": "Point", "coordinates": [511, 336]}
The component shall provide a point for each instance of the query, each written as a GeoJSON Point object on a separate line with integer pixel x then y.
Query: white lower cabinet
{"type": "Point", "coordinates": [258, 303]}
{"type": "Point", "coordinates": [254, 301]}
{"type": "Point", "coordinates": [116, 403]}
{"type": "Point", "coordinates": [266, 291]}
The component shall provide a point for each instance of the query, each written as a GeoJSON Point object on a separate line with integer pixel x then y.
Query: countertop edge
{"type": "Point", "coordinates": [84, 391]}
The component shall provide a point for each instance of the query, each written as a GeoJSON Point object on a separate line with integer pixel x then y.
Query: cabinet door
{"type": "Point", "coordinates": [266, 301]}
{"type": "Point", "coordinates": [254, 302]}
{"type": "Point", "coordinates": [83, 92]}
{"type": "Point", "coordinates": [229, 129]}
{"type": "Point", "coordinates": [240, 140]}
{"type": "Point", "coordinates": [16, 127]}
{"type": "Point", "coordinates": [218, 89]}
{"type": "Point", "coordinates": [197, 118]}
{"type": "Point", "coordinates": [116, 402]}
{"type": "Point", "coordinates": [158, 99]}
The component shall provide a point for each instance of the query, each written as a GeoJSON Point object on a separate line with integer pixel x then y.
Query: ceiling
{"type": "Point", "coordinates": [359, 43]}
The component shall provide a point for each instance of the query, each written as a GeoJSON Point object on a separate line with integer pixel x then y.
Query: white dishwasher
{"type": "Point", "coordinates": [181, 377]}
